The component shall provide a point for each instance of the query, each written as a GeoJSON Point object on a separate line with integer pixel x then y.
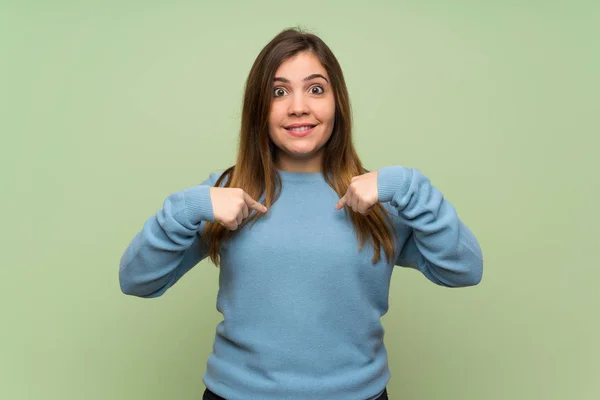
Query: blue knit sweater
{"type": "Point", "coordinates": [301, 304]}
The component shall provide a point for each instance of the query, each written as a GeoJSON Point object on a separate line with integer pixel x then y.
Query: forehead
{"type": "Point", "coordinates": [300, 66]}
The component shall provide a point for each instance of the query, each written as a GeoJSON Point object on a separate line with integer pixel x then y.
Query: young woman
{"type": "Point", "coordinates": [300, 292]}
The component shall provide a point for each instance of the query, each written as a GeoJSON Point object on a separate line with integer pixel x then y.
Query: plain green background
{"type": "Point", "coordinates": [108, 107]}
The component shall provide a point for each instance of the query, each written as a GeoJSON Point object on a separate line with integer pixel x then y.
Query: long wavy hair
{"type": "Point", "coordinates": [254, 170]}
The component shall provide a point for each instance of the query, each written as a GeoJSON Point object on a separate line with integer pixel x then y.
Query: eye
{"type": "Point", "coordinates": [277, 92]}
{"type": "Point", "coordinates": [317, 87]}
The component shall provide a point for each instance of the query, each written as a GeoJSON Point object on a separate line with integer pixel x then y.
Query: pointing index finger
{"type": "Point", "coordinates": [253, 203]}
{"type": "Point", "coordinates": [341, 203]}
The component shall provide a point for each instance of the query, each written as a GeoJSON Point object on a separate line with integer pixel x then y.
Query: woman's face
{"type": "Point", "coordinates": [302, 95]}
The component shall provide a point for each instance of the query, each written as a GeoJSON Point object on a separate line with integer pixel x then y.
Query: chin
{"type": "Point", "coordinates": [302, 151]}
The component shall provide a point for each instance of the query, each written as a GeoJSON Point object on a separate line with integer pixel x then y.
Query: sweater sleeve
{"type": "Point", "coordinates": [168, 244]}
{"type": "Point", "coordinates": [439, 244]}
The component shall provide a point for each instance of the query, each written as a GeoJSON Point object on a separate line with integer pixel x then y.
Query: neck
{"type": "Point", "coordinates": [300, 165]}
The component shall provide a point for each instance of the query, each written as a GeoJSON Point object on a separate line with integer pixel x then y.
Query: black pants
{"type": "Point", "coordinates": [208, 395]}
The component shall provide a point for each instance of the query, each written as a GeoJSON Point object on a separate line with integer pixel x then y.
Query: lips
{"type": "Point", "coordinates": [298, 126]}
{"type": "Point", "coordinates": [300, 130]}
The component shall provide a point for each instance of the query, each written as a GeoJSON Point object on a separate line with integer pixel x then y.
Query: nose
{"type": "Point", "coordinates": [298, 105]}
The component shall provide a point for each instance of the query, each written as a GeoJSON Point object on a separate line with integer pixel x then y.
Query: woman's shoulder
{"type": "Point", "coordinates": [218, 175]}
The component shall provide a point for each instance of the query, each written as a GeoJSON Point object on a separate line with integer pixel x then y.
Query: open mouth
{"type": "Point", "coordinates": [300, 129]}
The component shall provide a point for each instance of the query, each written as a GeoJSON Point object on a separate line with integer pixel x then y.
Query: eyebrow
{"type": "Point", "coordinates": [308, 78]}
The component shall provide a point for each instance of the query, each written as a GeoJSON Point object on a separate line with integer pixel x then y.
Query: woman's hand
{"type": "Point", "coordinates": [362, 194]}
{"type": "Point", "coordinates": [231, 206]}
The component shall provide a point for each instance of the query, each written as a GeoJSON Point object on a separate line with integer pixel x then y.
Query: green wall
{"type": "Point", "coordinates": [108, 107]}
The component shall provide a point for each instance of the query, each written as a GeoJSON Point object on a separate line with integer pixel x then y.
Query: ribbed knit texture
{"type": "Point", "coordinates": [301, 304]}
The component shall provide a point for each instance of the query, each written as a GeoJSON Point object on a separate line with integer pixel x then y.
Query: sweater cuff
{"type": "Point", "coordinates": [198, 205]}
{"type": "Point", "coordinates": [390, 180]}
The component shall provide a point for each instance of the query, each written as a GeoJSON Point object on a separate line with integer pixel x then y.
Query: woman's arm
{"type": "Point", "coordinates": [439, 244]}
{"type": "Point", "coordinates": [168, 245]}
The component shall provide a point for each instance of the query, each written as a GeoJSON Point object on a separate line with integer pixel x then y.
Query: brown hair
{"type": "Point", "coordinates": [257, 174]}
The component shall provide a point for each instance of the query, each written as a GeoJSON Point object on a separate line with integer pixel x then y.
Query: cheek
{"type": "Point", "coordinates": [327, 111]}
{"type": "Point", "coordinates": [278, 109]}
{"type": "Point", "coordinates": [276, 117]}
{"type": "Point", "coordinates": [275, 122]}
